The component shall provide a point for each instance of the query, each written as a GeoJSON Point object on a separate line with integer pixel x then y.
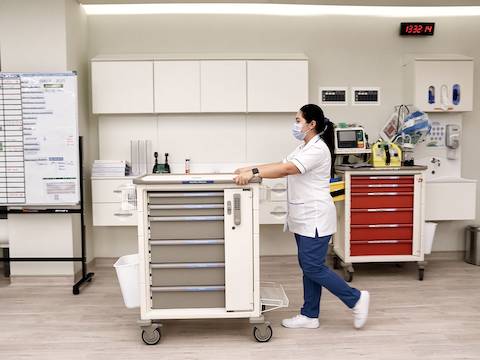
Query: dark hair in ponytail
{"type": "Point", "coordinates": [323, 126]}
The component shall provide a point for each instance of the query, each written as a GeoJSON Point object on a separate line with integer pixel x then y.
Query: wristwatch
{"type": "Point", "coordinates": [255, 172]}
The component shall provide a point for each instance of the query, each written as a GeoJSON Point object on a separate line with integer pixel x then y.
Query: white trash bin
{"type": "Point", "coordinates": [429, 235]}
{"type": "Point", "coordinates": [128, 277]}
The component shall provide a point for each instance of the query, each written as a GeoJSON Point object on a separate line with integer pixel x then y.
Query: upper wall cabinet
{"type": "Point", "coordinates": [177, 86]}
{"type": "Point", "coordinates": [199, 83]}
{"type": "Point", "coordinates": [439, 83]}
{"type": "Point", "coordinates": [277, 85]}
{"type": "Point", "coordinates": [122, 87]}
{"type": "Point", "coordinates": [224, 86]}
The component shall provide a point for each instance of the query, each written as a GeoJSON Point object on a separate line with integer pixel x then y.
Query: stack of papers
{"type": "Point", "coordinates": [110, 168]}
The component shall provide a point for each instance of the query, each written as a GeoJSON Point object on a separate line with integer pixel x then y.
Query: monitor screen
{"type": "Point", "coordinates": [347, 136]}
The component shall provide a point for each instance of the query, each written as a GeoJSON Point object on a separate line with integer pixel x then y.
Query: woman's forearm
{"type": "Point", "coordinates": [259, 167]}
{"type": "Point", "coordinates": [277, 170]}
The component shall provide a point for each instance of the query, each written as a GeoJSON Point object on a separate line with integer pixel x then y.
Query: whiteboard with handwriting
{"type": "Point", "coordinates": [39, 155]}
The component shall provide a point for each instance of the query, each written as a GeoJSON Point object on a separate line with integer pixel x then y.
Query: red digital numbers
{"type": "Point", "coordinates": [417, 28]}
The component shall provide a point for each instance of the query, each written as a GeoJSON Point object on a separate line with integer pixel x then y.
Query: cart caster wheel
{"type": "Point", "coordinates": [348, 276]}
{"type": "Point", "coordinates": [76, 291]}
{"type": "Point", "coordinates": [262, 336]}
{"type": "Point", "coordinates": [420, 274]}
{"type": "Point", "coordinates": [151, 337]}
{"type": "Point", "coordinates": [336, 262]}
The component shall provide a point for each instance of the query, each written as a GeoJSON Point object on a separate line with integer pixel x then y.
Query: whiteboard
{"type": "Point", "coordinates": [39, 155]}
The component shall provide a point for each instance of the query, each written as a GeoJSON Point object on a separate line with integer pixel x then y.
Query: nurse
{"type": "Point", "coordinates": [311, 215]}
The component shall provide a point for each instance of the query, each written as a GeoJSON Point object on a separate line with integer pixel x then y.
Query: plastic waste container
{"type": "Point", "coordinates": [128, 277]}
{"type": "Point", "coordinates": [429, 236]}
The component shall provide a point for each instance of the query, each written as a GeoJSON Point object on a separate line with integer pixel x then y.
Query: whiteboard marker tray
{"type": "Point", "coordinates": [272, 296]}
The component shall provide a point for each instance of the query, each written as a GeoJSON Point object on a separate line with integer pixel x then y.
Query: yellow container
{"type": "Point", "coordinates": [337, 190]}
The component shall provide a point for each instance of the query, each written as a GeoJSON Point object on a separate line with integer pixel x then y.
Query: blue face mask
{"type": "Point", "coordinates": [297, 131]}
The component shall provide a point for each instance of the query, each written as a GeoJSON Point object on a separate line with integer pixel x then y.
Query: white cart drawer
{"type": "Point", "coordinates": [109, 214]}
{"type": "Point", "coordinates": [108, 191]}
{"type": "Point", "coordinates": [272, 212]}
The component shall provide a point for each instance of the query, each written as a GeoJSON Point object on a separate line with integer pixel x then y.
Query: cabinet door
{"type": "Point", "coordinates": [238, 250]}
{"type": "Point", "coordinates": [224, 86]}
{"type": "Point", "coordinates": [122, 87]}
{"type": "Point", "coordinates": [177, 86]}
{"type": "Point", "coordinates": [277, 86]}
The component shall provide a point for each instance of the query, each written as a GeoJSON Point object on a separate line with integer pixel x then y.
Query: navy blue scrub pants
{"type": "Point", "coordinates": [311, 257]}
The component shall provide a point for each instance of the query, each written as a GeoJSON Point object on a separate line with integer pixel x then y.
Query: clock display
{"type": "Point", "coordinates": [417, 28]}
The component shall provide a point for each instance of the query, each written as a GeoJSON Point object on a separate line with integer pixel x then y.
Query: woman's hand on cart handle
{"type": "Point", "coordinates": [243, 178]}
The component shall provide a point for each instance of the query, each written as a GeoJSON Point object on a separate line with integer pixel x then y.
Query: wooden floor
{"type": "Point", "coordinates": [438, 318]}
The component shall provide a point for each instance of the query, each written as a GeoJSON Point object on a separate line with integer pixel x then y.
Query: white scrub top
{"type": "Point", "coordinates": [310, 205]}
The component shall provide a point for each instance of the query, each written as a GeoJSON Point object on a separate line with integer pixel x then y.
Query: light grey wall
{"type": "Point", "coordinates": [342, 51]}
{"type": "Point", "coordinates": [32, 35]}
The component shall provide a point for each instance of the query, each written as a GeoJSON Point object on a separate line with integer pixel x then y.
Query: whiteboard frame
{"type": "Point", "coordinates": [54, 205]}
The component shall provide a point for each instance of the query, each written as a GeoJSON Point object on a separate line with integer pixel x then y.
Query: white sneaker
{"type": "Point", "coordinates": [301, 321]}
{"type": "Point", "coordinates": [360, 310]}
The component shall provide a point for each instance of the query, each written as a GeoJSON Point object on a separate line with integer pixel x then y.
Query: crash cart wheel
{"type": "Point", "coordinates": [151, 337]}
{"type": "Point", "coordinates": [263, 333]}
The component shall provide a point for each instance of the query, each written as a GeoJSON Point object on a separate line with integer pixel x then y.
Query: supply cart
{"type": "Point", "coordinates": [198, 240]}
{"type": "Point", "coordinates": [382, 217]}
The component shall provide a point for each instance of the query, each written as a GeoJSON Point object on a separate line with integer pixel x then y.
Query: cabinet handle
{"type": "Point", "coordinates": [186, 206]}
{"type": "Point", "coordinates": [123, 214]}
{"type": "Point", "coordinates": [382, 241]}
{"type": "Point", "coordinates": [186, 242]}
{"type": "Point", "coordinates": [185, 194]}
{"type": "Point", "coordinates": [186, 288]}
{"type": "Point", "coordinates": [278, 212]}
{"type": "Point", "coordinates": [387, 210]}
{"type": "Point", "coordinates": [384, 177]}
{"type": "Point", "coordinates": [117, 191]}
{"type": "Point", "coordinates": [384, 194]}
{"type": "Point", "coordinates": [186, 218]}
{"type": "Point", "coordinates": [381, 226]}
{"type": "Point", "coordinates": [384, 226]}
{"type": "Point", "coordinates": [188, 266]}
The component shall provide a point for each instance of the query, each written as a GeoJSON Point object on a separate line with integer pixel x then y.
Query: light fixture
{"type": "Point", "coordinates": [282, 10]}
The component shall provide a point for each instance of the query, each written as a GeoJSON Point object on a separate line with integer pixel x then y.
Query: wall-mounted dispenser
{"type": "Point", "coordinates": [439, 83]}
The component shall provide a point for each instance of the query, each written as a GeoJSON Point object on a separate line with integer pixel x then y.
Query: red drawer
{"type": "Point", "coordinates": [370, 248]}
{"type": "Point", "coordinates": [355, 189]}
{"type": "Point", "coordinates": [381, 232]}
{"type": "Point", "coordinates": [379, 179]}
{"type": "Point", "coordinates": [378, 200]}
{"type": "Point", "coordinates": [381, 216]}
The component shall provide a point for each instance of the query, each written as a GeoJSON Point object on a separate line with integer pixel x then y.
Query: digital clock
{"type": "Point", "coordinates": [417, 28]}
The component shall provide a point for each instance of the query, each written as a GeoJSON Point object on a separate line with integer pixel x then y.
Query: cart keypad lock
{"type": "Point", "coordinates": [237, 218]}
